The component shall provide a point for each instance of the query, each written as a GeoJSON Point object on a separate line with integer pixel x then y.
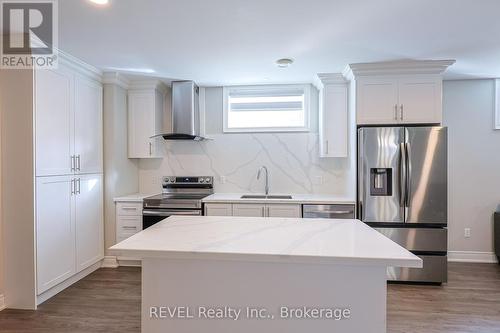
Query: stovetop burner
{"type": "Point", "coordinates": [181, 193]}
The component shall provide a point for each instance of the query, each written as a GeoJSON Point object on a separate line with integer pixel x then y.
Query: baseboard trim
{"type": "Point", "coordinates": [472, 256]}
{"type": "Point", "coordinates": [2, 302]}
{"type": "Point", "coordinates": [115, 262]}
{"type": "Point", "coordinates": [129, 262]}
{"type": "Point", "coordinates": [65, 284]}
{"type": "Point", "coordinates": [109, 262]}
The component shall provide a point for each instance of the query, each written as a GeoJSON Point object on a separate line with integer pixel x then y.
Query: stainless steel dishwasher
{"type": "Point", "coordinates": [328, 211]}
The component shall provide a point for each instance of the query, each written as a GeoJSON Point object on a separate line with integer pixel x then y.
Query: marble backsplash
{"type": "Point", "coordinates": [234, 159]}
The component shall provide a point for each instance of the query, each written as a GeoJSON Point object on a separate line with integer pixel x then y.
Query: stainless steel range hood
{"type": "Point", "coordinates": [185, 117]}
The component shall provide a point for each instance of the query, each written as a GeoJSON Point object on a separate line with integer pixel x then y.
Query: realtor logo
{"type": "Point", "coordinates": [29, 34]}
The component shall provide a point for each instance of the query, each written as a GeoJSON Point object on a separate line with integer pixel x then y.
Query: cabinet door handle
{"type": "Point", "coordinates": [129, 228]}
{"type": "Point", "coordinates": [402, 112]}
{"type": "Point", "coordinates": [72, 162]}
{"type": "Point", "coordinates": [73, 187]}
{"type": "Point", "coordinates": [268, 210]}
{"type": "Point", "coordinates": [78, 162]}
{"type": "Point", "coordinates": [395, 112]}
{"type": "Point", "coordinates": [150, 149]}
{"type": "Point", "coordinates": [326, 147]}
{"type": "Point", "coordinates": [129, 208]}
{"type": "Point", "coordinates": [78, 186]}
{"type": "Point", "coordinates": [263, 212]}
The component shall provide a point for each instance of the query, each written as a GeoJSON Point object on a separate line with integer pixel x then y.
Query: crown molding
{"type": "Point", "coordinates": [116, 79]}
{"type": "Point", "coordinates": [328, 78]}
{"type": "Point", "coordinates": [148, 84]}
{"type": "Point", "coordinates": [79, 66]}
{"type": "Point", "coordinates": [68, 60]}
{"type": "Point", "coordinates": [332, 78]}
{"type": "Point", "coordinates": [400, 67]}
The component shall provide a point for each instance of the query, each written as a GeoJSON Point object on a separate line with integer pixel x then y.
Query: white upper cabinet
{"type": "Point", "coordinates": [88, 126]}
{"type": "Point", "coordinates": [377, 101]}
{"type": "Point", "coordinates": [146, 106]}
{"type": "Point", "coordinates": [68, 123]}
{"type": "Point", "coordinates": [89, 220]}
{"type": "Point", "coordinates": [53, 121]}
{"type": "Point", "coordinates": [406, 92]}
{"type": "Point", "coordinates": [408, 100]}
{"type": "Point", "coordinates": [420, 100]}
{"type": "Point", "coordinates": [333, 116]}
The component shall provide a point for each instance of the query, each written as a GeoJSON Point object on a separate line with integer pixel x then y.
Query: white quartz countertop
{"type": "Point", "coordinates": [267, 240]}
{"type": "Point", "coordinates": [135, 197]}
{"type": "Point", "coordinates": [296, 198]}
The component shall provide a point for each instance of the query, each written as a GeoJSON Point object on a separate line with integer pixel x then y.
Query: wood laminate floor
{"type": "Point", "coordinates": [109, 301]}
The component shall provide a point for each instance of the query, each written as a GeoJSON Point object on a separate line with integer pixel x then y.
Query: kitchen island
{"type": "Point", "coordinates": [239, 274]}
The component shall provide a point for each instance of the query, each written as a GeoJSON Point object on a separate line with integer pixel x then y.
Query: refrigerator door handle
{"type": "Point", "coordinates": [402, 174]}
{"type": "Point", "coordinates": [408, 175]}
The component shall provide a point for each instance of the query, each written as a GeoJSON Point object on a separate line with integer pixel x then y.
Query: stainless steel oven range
{"type": "Point", "coordinates": [180, 196]}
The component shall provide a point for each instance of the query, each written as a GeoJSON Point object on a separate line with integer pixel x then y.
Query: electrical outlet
{"type": "Point", "coordinates": [467, 232]}
{"type": "Point", "coordinates": [222, 179]}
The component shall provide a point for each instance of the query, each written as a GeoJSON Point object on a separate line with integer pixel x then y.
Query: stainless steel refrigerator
{"type": "Point", "coordinates": [402, 192]}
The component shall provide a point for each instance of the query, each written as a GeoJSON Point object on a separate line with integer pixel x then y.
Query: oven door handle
{"type": "Point", "coordinates": [170, 212]}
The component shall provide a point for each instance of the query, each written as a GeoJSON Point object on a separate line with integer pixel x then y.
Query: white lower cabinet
{"type": "Point", "coordinates": [128, 219]}
{"type": "Point", "coordinates": [219, 209]}
{"type": "Point", "coordinates": [69, 227]}
{"type": "Point", "coordinates": [89, 221]}
{"type": "Point", "coordinates": [55, 231]}
{"type": "Point", "coordinates": [253, 210]}
{"type": "Point", "coordinates": [283, 210]}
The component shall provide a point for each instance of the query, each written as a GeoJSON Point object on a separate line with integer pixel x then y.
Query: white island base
{"type": "Point", "coordinates": [202, 285]}
{"type": "Point", "coordinates": [227, 274]}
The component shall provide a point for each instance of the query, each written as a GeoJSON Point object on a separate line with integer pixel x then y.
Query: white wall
{"type": "Point", "coordinates": [121, 173]}
{"type": "Point", "coordinates": [16, 108]}
{"type": "Point", "coordinates": [292, 159]}
{"type": "Point", "coordinates": [474, 163]}
{"type": "Point", "coordinates": [1, 236]}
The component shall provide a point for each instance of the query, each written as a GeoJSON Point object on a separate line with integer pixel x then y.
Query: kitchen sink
{"type": "Point", "coordinates": [262, 196]}
{"type": "Point", "coordinates": [279, 197]}
{"type": "Point", "coordinates": [253, 196]}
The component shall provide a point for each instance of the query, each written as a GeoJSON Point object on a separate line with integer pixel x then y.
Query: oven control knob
{"type": "Point", "coordinates": [202, 180]}
{"type": "Point", "coordinates": [167, 180]}
{"type": "Point", "coordinates": [207, 180]}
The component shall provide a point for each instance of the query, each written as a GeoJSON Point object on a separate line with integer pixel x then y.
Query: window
{"type": "Point", "coordinates": [283, 108]}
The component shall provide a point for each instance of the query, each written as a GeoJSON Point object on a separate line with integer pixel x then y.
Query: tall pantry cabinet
{"type": "Point", "coordinates": [52, 156]}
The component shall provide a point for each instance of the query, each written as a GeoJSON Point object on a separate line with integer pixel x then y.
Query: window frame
{"type": "Point", "coordinates": [307, 106]}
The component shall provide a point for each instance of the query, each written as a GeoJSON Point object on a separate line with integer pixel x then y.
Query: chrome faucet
{"type": "Point", "coordinates": [267, 177]}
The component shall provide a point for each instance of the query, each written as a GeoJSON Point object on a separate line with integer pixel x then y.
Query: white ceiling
{"type": "Point", "coordinates": [219, 42]}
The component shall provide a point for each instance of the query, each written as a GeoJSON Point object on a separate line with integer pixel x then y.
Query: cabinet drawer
{"type": "Point", "coordinates": [418, 239]}
{"type": "Point", "coordinates": [129, 208]}
{"type": "Point", "coordinates": [435, 270]}
{"type": "Point", "coordinates": [129, 221]}
{"type": "Point", "coordinates": [127, 226]}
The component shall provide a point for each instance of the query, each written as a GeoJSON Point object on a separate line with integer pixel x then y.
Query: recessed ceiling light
{"type": "Point", "coordinates": [100, 2]}
{"type": "Point", "coordinates": [284, 63]}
